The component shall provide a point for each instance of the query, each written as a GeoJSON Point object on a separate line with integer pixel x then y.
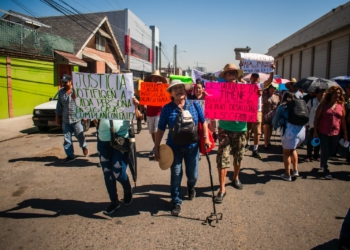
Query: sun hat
{"type": "Point", "coordinates": [177, 82]}
{"type": "Point", "coordinates": [229, 67]}
{"type": "Point", "coordinates": [66, 78]}
{"type": "Point", "coordinates": [166, 157]}
{"type": "Point", "coordinates": [315, 142]}
{"type": "Point", "coordinates": [155, 73]}
{"type": "Point", "coordinates": [290, 83]}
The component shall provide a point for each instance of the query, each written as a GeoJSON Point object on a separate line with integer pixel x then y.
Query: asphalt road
{"type": "Point", "coordinates": [47, 205]}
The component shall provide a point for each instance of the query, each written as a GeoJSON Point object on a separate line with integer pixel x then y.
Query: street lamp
{"type": "Point", "coordinates": [175, 60]}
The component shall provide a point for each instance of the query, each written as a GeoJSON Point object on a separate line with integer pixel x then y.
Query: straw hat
{"type": "Point", "coordinates": [166, 157]}
{"type": "Point", "coordinates": [188, 86]}
{"type": "Point", "coordinates": [229, 67]}
{"type": "Point", "coordinates": [155, 73]}
{"type": "Point", "coordinates": [290, 83]}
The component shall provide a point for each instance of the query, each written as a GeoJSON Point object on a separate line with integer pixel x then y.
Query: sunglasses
{"type": "Point", "coordinates": [233, 72]}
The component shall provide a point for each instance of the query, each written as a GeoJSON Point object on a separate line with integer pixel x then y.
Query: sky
{"type": "Point", "coordinates": [208, 30]}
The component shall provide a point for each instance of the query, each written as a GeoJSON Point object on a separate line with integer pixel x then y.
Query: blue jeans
{"type": "Point", "coordinates": [190, 156]}
{"type": "Point", "coordinates": [114, 164]}
{"type": "Point", "coordinates": [68, 130]}
{"type": "Point", "coordinates": [328, 148]}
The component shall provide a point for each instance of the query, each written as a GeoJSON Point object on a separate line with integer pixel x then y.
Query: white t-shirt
{"type": "Point", "coordinates": [260, 86]}
{"type": "Point", "coordinates": [312, 106]}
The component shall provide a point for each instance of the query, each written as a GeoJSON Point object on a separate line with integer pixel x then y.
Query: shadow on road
{"type": "Point", "coordinates": [333, 244]}
{"type": "Point", "coordinates": [58, 207]}
{"type": "Point", "coordinates": [56, 162]}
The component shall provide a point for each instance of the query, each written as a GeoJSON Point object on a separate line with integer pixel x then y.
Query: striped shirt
{"type": "Point", "coordinates": [66, 107]}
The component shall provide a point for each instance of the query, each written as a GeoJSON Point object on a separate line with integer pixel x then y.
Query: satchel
{"type": "Point", "coordinates": [117, 142]}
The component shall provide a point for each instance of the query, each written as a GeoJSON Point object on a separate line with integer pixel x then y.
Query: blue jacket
{"type": "Point", "coordinates": [281, 117]}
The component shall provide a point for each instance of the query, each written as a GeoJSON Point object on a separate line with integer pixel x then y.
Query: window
{"type": "Point", "coordinates": [100, 43]}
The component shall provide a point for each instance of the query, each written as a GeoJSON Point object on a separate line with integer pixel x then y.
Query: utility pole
{"type": "Point", "coordinates": [175, 48]}
{"type": "Point", "coordinates": [160, 57]}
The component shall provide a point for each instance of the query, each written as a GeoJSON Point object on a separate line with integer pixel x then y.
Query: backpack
{"type": "Point", "coordinates": [298, 113]}
{"type": "Point", "coordinates": [185, 130]}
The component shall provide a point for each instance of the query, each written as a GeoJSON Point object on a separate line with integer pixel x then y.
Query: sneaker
{"type": "Point", "coordinates": [328, 177]}
{"type": "Point", "coordinates": [68, 159]}
{"type": "Point", "coordinates": [176, 211]}
{"type": "Point", "coordinates": [246, 147]}
{"type": "Point", "coordinates": [256, 154]}
{"type": "Point", "coordinates": [295, 173]}
{"type": "Point", "coordinates": [111, 207]}
{"type": "Point", "coordinates": [286, 177]}
{"type": "Point", "coordinates": [237, 184]}
{"type": "Point", "coordinates": [85, 151]}
{"type": "Point", "coordinates": [127, 198]}
{"type": "Point", "coordinates": [191, 194]}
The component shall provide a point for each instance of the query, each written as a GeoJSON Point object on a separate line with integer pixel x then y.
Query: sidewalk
{"type": "Point", "coordinates": [16, 127]}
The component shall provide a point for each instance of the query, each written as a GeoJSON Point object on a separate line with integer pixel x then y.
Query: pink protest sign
{"type": "Point", "coordinates": [231, 101]}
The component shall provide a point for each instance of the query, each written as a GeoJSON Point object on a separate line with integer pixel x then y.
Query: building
{"type": "Point", "coordinates": [142, 42]}
{"type": "Point", "coordinates": [320, 49]}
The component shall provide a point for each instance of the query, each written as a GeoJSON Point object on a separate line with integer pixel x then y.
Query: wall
{"type": "Point", "coordinates": [3, 89]}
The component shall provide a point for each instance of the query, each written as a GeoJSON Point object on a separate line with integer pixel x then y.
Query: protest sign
{"type": "Point", "coordinates": [255, 63]}
{"type": "Point", "coordinates": [231, 101]}
{"type": "Point", "coordinates": [104, 96]}
{"type": "Point", "coordinates": [154, 94]}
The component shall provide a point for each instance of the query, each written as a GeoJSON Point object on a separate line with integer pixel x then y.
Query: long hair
{"type": "Point", "coordinates": [287, 98]}
{"type": "Point", "coordinates": [328, 96]}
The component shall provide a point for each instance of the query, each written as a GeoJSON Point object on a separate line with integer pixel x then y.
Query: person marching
{"type": "Point", "coordinates": [189, 153]}
{"type": "Point", "coordinates": [66, 107]}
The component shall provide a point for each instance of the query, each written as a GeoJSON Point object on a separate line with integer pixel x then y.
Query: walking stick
{"type": "Point", "coordinates": [213, 216]}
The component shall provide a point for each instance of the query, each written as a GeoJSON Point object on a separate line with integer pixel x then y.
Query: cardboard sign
{"type": "Point", "coordinates": [255, 63]}
{"type": "Point", "coordinates": [104, 96]}
{"type": "Point", "coordinates": [154, 94]}
{"type": "Point", "coordinates": [231, 101]}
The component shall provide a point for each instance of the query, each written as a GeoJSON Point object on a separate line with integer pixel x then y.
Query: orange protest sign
{"type": "Point", "coordinates": [154, 94]}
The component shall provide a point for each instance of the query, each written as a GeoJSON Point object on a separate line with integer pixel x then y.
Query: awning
{"type": "Point", "coordinates": [101, 57]}
{"type": "Point", "coordinates": [72, 59]}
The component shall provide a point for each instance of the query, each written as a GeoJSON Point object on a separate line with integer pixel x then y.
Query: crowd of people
{"type": "Point", "coordinates": [328, 120]}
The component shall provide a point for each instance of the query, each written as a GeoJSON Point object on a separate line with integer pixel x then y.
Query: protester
{"type": "Point", "coordinates": [347, 110]}
{"type": "Point", "coordinates": [291, 136]}
{"type": "Point", "coordinates": [289, 85]}
{"type": "Point", "coordinates": [232, 138]}
{"type": "Point", "coordinates": [312, 106]}
{"type": "Point", "coordinates": [188, 153]}
{"type": "Point", "coordinates": [66, 108]}
{"type": "Point", "coordinates": [329, 120]}
{"type": "Point", "coordinates": [114, 162]}
{"type": "Point", "coordinates": [199, 93]}
{"type": "Point", "coordinates": [270, 103]}
{"type": "Point", "coordinates": [153, 112]}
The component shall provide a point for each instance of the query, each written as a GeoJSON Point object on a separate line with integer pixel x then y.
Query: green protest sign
{"type": "Point", "coordinates": [104, 96]}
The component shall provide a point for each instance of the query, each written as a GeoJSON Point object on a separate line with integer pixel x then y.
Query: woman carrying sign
{"type": "Point", "coordinates": [113, 161]}
{"type": "Point", "coordinates": [270, 103]}
{"type": "Point", "coordinates": [183, 151]}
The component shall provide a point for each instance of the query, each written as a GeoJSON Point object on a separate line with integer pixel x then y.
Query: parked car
{"type": "Point", "coordinates": [44, 115]}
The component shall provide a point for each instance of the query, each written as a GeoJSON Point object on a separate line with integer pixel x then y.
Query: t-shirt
{"type": "Point", "coordinates": [153, 110]}
{"type": "Point", "coordinates": [233, 126]}
{"type": "Point", "coordinates": [260, 86]}
{"type": "Point", "coordinates": [312, 106]}
{"type": "Point", "coordinates": [121, 128]}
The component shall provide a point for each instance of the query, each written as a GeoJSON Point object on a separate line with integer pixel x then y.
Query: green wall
{"type": "Point", "coordinates": [3, 89]}
{"type": "Point", "coordinates": [32, 84]}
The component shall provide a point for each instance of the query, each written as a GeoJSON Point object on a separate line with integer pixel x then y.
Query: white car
{"type": "Point", "coordinates": [44, 115]}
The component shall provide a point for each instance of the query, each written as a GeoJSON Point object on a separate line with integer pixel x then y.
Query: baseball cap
{"type": "Point", "coordinates": [66, 78]}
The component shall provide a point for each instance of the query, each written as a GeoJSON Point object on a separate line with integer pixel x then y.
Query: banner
{"type": "Point", "coordinates": [231, 101]}
{"type": "Point", "coordinates": [154, 94]}
{"type": "Point", "coordinates": [104, 96]}
{"type": "Point", "coordinates": [255, 63]}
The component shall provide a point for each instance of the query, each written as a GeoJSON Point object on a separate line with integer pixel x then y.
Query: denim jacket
{"type": "Point", "coordinates": [281, 117]}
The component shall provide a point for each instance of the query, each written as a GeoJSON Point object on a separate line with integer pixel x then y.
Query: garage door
{"type": "Point", "coordinates": [306, 63]}
{"type": "Point", "coordinates": [295, 65]}
{"type": "Point", "coordinates": [279, 65]}
{"type": "Point", "coordinates": [286, 69]}
{"type": "Point", "coordinates": [32, 81]}
{"type": "Point", "coordinates": [339, 57]}
{"type": "Point", "coordinates": [320, 62]}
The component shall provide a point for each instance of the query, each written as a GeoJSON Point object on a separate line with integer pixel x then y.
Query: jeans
{"type": "Point", "coordinates": [68, 130]}
{"type": "Point", "coordinates": [309, 146]}
{"type": "Point", "coordinates": [328, 147]}
{"type": "Point", "coordinates": [190, 156]}
{"type": "Point", "coordinates": [114, 164]}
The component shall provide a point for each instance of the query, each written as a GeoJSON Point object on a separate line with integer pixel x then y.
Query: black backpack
{"type": "Point", "coordinates": [298, 113]}
{"type": "Point", "coordinates": [185, 130]}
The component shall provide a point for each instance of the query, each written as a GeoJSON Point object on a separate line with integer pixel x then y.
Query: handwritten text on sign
{"type": "Point", "coordinates": [254, 63]}
{"type": "Point", "coordinates": [104, 96]}
{"type": "Point", "coordinates": [231, 101]}
{"type": "Point", "coordinates": [154, 94]}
